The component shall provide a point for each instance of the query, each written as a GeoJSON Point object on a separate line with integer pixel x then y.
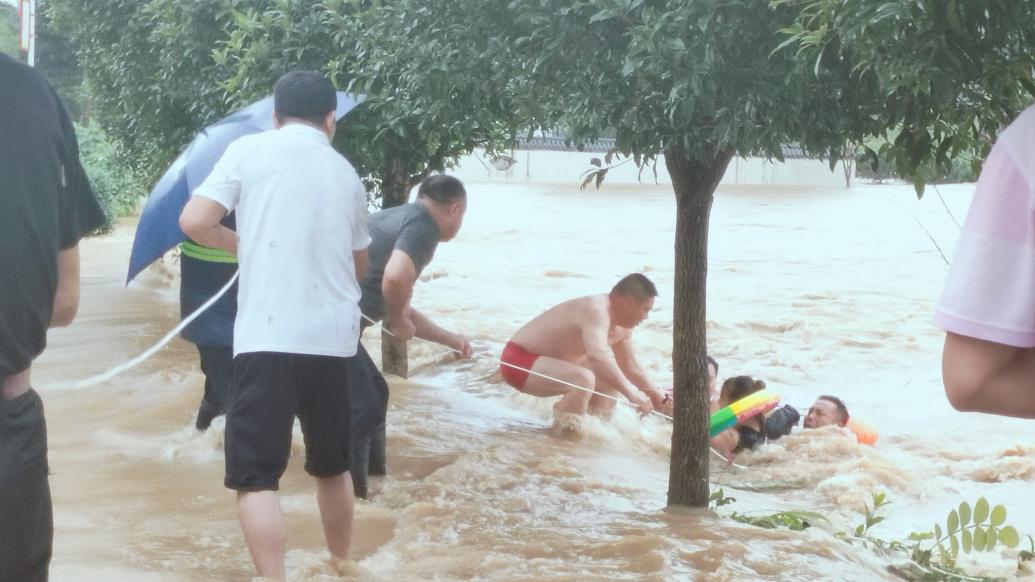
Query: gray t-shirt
{"type": "Point", "coordinates": [409, 228]}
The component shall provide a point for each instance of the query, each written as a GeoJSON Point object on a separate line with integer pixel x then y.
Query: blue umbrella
{"type": "Point", "coordinates": [159, 226]}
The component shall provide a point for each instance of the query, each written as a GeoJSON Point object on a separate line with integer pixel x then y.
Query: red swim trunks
{"type": "Point", "coordinates": [518, 356]}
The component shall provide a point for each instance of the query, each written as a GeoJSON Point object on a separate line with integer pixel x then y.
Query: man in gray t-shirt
{"type": "Point", "coordinates": [410, 229]}
{"type": "Point", "coordinates": [404, 239]}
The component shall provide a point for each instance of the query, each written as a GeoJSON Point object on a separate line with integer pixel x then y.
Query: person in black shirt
{"type": "Point", "coordinates": [404, 241]}
{"type": "Point", "coordinates": [203, 272]}
{"type": "Point", "coordinates": [46, 206]}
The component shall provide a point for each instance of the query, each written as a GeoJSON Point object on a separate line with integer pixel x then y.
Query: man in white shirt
{"type": "Point", "coordinates": [301, 223]}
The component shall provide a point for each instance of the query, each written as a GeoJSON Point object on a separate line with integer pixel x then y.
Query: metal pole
{"type": "Point", "coordinates": [32, 33]}
{"type": "Point", "coordinates": [27, 29]}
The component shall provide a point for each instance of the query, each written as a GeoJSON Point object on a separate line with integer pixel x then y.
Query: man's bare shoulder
{"type": "Point", "coordinates": [589, 305]}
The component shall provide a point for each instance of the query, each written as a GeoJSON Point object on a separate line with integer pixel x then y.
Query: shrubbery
{"type": "Point", "coordinates": [117, 187]}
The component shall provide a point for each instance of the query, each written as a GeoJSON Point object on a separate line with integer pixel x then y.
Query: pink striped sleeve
{"type": "Point", "coordinates": [990, 292]}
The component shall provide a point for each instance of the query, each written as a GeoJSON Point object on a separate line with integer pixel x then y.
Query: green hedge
{"type": "Point", "coordinates": [118, 188]}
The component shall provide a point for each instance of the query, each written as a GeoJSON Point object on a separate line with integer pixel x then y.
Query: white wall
{"type": "Point", "coordinates": [567, 167]}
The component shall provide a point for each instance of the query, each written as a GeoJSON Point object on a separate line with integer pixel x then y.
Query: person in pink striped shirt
{"type": "Point", "coordinates": [988, 305]}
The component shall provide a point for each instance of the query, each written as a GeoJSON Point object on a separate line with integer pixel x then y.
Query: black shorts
{"type": "Point", "coordinates": [26, 521]}
{"type": "Point", "coordinates": [267, 391]}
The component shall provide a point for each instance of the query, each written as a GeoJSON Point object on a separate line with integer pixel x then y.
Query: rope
{"type": "Point", "coordinates": [516, 367]}
{"type": "Point", "coordinates": [115, 371]}
{"type": "Point", "coordinates": [924, 228]}
{"type": "Point", "coordinates": [105, 376]}
{"type": "Point", "coordinates": [548, 377]}
{"type": "Point", "coordinates": [946, 206]}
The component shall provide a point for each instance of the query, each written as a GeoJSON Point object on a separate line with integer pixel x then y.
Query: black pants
{"type": "Point", "coordinates": [217, 364]}
{"type": "Point", "coordinates": [369, 412]}
{"type": "Point", "coordinates": [26, 517]}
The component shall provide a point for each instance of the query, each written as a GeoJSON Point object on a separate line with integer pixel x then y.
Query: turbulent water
{"type": "Point", "coordinates": [815, 291]}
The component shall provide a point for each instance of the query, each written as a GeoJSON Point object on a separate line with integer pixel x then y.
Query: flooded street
{"type": "Point", "coordinates": [815, 291]}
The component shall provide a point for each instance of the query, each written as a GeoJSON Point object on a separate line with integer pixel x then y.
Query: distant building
{"type": "Point", "coordinates": [549, 159]}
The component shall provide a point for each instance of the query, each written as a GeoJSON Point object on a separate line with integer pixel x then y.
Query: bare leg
{"type": "Point", "coordinates": [601, 406]}
{"type": "Point", "coordinates": [264, 531]}
{"type": "Point", "coordinates": [337, 504]}
{"type": "Point", "coordinates": [575, 401]}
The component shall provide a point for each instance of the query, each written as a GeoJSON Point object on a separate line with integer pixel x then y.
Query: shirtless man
{"type": "Point", "coordinates": [588, 342]}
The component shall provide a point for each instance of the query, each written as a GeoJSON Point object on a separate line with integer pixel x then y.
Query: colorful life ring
{"type": "Point", "coordinates": [751, 405]}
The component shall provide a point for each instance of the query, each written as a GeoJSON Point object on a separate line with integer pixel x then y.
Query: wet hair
{"type": "Point", "coordinates": [305, 95]}
{"type": "Point", "coordinates": [737, 387]}
{"type": "Point", "coordinates": [637, 286]}
{"type": "Point", "coordinates": [840, 405]}
{"type": "Point", "coordinates": [711, 360]}
{"type": "Point", "coordinates": [442, 189]}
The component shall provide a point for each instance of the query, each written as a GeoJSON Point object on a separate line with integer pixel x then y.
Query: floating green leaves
{"type": "Point", "coordinates": [977, 530]}
{"type": "Point", "coordinates": [792, 520]}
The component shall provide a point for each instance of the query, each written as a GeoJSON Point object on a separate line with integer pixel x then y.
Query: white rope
{"type": "Point", "coordinates": [115, 371]}
{"type": "Point", "coordinates": [516, 367]}
{"type": "Point", "coordinates": [105, 376]}
{"type": "Point", "coordinates": [548, 377]}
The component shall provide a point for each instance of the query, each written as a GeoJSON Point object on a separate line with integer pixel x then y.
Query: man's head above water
{"type": "Point", "coordinates": [825, 411]}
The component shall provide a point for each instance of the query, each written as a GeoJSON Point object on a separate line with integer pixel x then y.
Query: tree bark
{"type": "Point", "coordinates": [694, 182]}
{"type": "Point", "coordinates": [395, 191]}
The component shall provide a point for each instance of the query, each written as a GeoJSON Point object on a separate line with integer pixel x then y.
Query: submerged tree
{"type": "Point", "coordinates": [698, 82]}
{"type": "Point", "coordinates": [701, 81]}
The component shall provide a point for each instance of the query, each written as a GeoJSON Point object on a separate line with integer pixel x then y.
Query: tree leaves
{"type": "Point", "coordinates": [968, 530]}
{"type": "Point", "coordinates": [980, 511]}
{"type": "Point", "coordinates": [792, 520]}
{"type": "Point", "coordinates": [998, 515]}
{"type": "Point", "coordinates": [946, 95]}
{"type": "Point", "coordinates": [1008, 535]}
{"type": "Point", "coordinates": [979, 538]}
{"type": "Point", "coordinates": [964, 513]}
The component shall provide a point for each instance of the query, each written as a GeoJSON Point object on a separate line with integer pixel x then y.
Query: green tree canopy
{"type": "Point", "coordinates": [158, 71]}
{"type": "Point", "coordinates": [943, 76]}
{"type": "Point", "coordinates": [429, 101]}
{"type": "Point", "coordinates": [149, 71]}
{"type": "Point", "coordinates": [8, 30]}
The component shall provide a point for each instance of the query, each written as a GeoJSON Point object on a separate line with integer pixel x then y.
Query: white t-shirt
{"type": "Point", "coordinates": [301, 212]}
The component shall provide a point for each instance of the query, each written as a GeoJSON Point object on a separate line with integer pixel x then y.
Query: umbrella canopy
{"type": "Point", "coordinates": [159, 226]}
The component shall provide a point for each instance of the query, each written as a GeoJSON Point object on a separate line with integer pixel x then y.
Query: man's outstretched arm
{"type": "Point", "coordinates": [602, 360]}
{"type": "Point", "coordinates": [429, 330]}
{"type": "Point", "coordinates": [625, 357]}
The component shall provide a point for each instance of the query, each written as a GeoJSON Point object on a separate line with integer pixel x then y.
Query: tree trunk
{"type": "Point", "coordinates": [694, 182]}
{"type": "Point", "coordinates": [395, 191]}
{"type": "Point", "coordinates": [848, 164]}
